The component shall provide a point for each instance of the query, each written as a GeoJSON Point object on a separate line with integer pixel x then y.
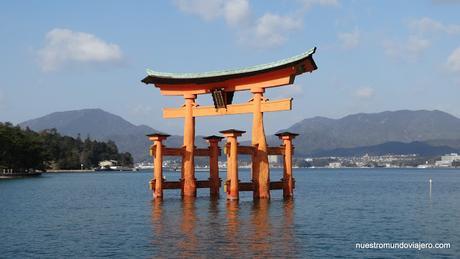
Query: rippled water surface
{"type": "Point", "coordinates": [112, 215]}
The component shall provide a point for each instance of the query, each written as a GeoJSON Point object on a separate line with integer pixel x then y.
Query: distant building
{"type": "Point", "coordinates": [447, 160]}
{"type": "Point", "coordinates": [144, 165]}
{"type": "Point", "coordinates": [335, 165]}
{"type": "Point", "coordinates": [108, 163]}
{"type": "Point", "coordinates": [451, 157]}
{"type": "Point", "coordinates": [272, 159]}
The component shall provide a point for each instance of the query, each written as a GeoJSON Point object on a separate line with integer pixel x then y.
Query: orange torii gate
{"type": "Point", "coordinates": [222, 85]}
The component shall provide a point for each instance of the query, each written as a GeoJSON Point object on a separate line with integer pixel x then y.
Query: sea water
{"type": "Point", "coordinates": [112, 214]}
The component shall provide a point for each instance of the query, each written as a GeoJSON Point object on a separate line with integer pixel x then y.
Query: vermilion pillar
{"type": "Point", "coordinates": [232, 163]}
{"type": "Point", "coordinates": [260, 166]}
{"type": "Point", "coordinates": [214, 164]}
{"type": "Point", "coordinates": [288, 188]}
{"type": "Point", "coordinates": [229, 165]}
{"type": "Point", "coordinates": [157, 151]}
{"type": "Point", "coordinates": [189, 187]}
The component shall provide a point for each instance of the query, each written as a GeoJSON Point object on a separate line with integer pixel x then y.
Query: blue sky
{"type": "Point", "coordinates": [372, 55]}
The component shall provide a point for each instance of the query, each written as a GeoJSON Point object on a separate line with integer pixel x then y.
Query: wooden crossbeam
{"type": "Point", "coordinates": [172, 185]}
{"type": "Point", "coordinates": [276, 150]}
{"type": "Point", "coordinates": [200, 111]}
{"type": "Point", "coordinates": [243, 186]}
{"type": "Point", "coordinates": [246, 150]}
{"type": "Point", "coordinates": [202, 152]}
{"type": "Point", "coordinates": [178, 184]}
{"type": "Point", "coordinates": [249, 186]}
{"type": "Point", "coordinates": [179, 151]}
{"type": "Point", "coordinates": [249, 150]}
{"type": "Point", "coordinates": [276, 185]}
{"type": "Point", "coordinates": [242, 150]}
{"type": "Point", "coordinates": [246, 186]}
{"type": "Point", "coordinates": [168, 151]}
{"type": "Point", "coordinates": [203, 184]}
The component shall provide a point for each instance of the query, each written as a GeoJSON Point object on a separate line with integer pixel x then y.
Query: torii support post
{"type": "Point", "coordinates": [188, 160]}
{"type": "Point", "coordinates": [232, 163]}
{"type": "Point", "coordinates": [260, 166]}
{"type": "Point", "coordinates": [214, 152]}
{"type": "Point", "coordinates": [288, 180]}
{"type": "Point", "coordinates": [156, 184]}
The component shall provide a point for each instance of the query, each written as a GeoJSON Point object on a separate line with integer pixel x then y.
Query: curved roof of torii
{"type": "Point", "coordinates": [154, 77]}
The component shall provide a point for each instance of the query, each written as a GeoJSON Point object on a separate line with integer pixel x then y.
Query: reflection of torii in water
{"type": "Point", "coordinates": [222, 85]}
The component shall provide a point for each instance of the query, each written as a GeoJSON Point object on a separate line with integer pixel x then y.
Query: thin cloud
{"type": "Point", "coordinates": [270, 30]}
{"type": "Point", "coordinates": [364, 93]}
{"type": "Point", "coordinates": [237, 12]}
{"type": "Point", "coordinates": [206, 9]}
{"type": "Point", "coordinates": [265, 31]}
{"type": "Point", "coordinates": [453, 61]}
{"type": "Point", "coordinates": [234, 12]}
{"type": "Point", "coordinates": [428, 25]}
{"type": "Point", "coordinates": [307, 4]}
{"type": "Point", "coordinates": [349, 40]}
{"type": "Point", "coordinates": [63, 46]}
{"type": "Point", "coordinates": [409, 50]}
{"type": "Point", "coordinates": [421, 34]}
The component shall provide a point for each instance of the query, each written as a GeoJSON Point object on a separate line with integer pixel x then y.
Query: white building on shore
{"type": "Point", "coordinates": [447, 160]}
{"type": "Point", "coordinates": [335, 165]}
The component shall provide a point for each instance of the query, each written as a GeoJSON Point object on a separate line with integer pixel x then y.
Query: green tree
{"type": "Point", "coordinates": [25, 149]}
{"type": "Point", "coordinates": [20, 150]}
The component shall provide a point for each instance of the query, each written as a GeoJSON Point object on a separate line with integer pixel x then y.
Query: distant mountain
{"type": "Point", "coordinates": [358, 133]}
{"type": "Point", "coordinates": [96, 123]}
{"type": "Point", "coordinates": [101, 125]}
{"type": "Point", "coordinates": [399, 148]}
{"type": "Point", "coordinates": [368, 129]}
{"type": "Point", "coordinates": [454, 143]}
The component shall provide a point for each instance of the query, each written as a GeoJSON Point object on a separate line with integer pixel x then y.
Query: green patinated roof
{"type": "Point", "coordinates": [222, 73]}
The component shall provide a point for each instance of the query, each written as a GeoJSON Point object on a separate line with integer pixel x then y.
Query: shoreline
{"type": "Point", "coordinates": [70, 171]}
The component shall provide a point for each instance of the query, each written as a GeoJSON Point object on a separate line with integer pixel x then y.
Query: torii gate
{"type": "Point", "coordinates": [222, 85]}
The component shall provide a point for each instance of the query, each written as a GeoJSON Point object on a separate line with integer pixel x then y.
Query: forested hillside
{"type": "Point", "coordinates": [22, 149]}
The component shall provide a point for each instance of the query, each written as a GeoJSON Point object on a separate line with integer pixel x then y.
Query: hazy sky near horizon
{"type": "Point", "coordinates": [372, 55]}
